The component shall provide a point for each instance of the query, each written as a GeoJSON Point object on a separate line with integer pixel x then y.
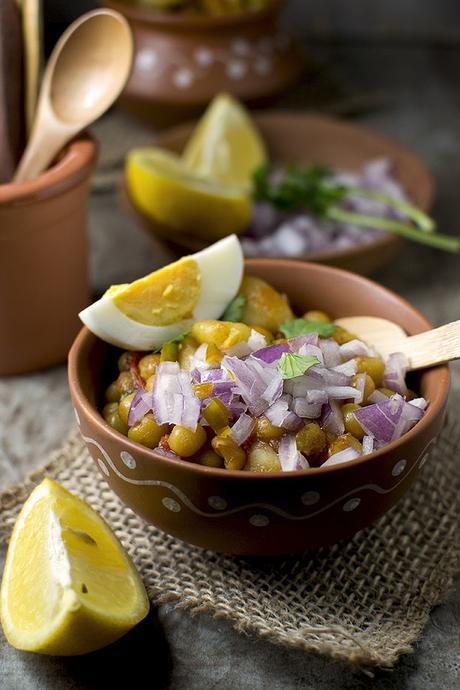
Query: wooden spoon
{"type": "Point", "coordinates": [423, 350]}
{"type": "Point", "coordinates": [86, 72]}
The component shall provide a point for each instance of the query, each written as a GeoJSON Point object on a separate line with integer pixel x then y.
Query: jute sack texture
{"type": "Point", "coordinates": [365, 601]}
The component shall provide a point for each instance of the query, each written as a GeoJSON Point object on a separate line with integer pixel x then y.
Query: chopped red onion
{"type": "Point", "coordinates": [342, 393]}
{"type": "Point", "coordinates": [368, 444]}
{"type": "Point", "coordinates": [381, 419]}
{"type": "Point", "coordinates": [302, 408]}
{"type": "Point", "coordinates": [166, 453]}
{"type": "Point", "coordinates": [348, 368]}
{"type": "Point", "coordinates": [360, 387]}
{"type": "Point", "coordinates": [419, 402]}
{"type": "Point", "coordinates": [140, 405]}
{"type": "Point", "coordinates": [342, 456]}
{"type": "Point", "coordinates": [290, 458]}
{"type": "Point", "coordinates": [280, 415]}
{"type": "Point", "coordinates": [332, 418]}
{"type": "Point", "coordinates": [394, 376]}
{"type": "Point", "coordinates": [271, 354]}
{"type": "Point", "coordinates": [174, 401]}
{"type": "Point", "coordinates": [242, 429]}
{"type": "Point", "coordinates": [255, 342]}
{"type": "Point", "coordinates": [377, 396]}
{"type": "Point", "coordinates": [252, 381]}
{"type": "Point", "coordinates": [331, 352]}
{"type": "Point", "coordinates": [312, 351]}
{"type": "Point", "coordinates": [296, 343]}
{"type": "Point", "coordinates": [354, 348]}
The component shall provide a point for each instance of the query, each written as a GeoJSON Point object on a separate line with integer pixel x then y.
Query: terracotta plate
{"type": "Point", "coordinates": [298, 137]}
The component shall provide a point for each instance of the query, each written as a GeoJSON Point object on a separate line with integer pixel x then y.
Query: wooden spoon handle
{"type": "Point", "coordinates": [433, 347]}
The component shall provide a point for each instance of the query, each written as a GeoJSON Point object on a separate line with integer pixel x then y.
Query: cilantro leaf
{"type": "Point", "coordinates": [296, 327]}
{"type": "Point", "coordinates": [234, 310]}
{"type": "Point", "coordinates": [292, 365]}
{"type": "Point", "coordinates": [178, 339]}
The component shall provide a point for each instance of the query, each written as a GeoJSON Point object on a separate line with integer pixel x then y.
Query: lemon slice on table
{"type": "Point", "coordinates": [68, 586]}
{"type": "Point", "coordinates": [226, 146]}
{"type": "Point", "coordinates": [163, 188]}
{"type": "Point", "coordinates": [162, 305]}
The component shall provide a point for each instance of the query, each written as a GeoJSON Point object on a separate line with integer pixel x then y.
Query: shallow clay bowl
{"type": "Point", "coordinates": [298, 137]}
{"type": "Point", "coordinates": [263, 514]}
{"type": "Point", "coordinates": [183, 59]}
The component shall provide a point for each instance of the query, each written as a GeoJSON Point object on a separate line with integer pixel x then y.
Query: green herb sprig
{"type": "Point", "coordinates": [296, 327]}
{"type": "Point", "coordinates": [292, 365]}
{"type": "Point", "coordinates": [234, 310]}
{"type": "Point", "coordinates": [313, 188]}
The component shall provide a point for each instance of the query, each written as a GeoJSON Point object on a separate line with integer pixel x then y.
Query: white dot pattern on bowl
{"type": "Point", "coordinates": [399, 468]}
{"type": "Point", "coordinates": [171, 504]}
{"type": "Point", "coordinates": [204, 56]}
{"type": "Point", "coordinates": [352, 504]}
{"type": "Point", "coordinates": [128, 460]}
{"type": "Point", "coordinates": [217, 502]}
{"type": "Point", "coordinates": [236, 69]}
{"type": "Point", "coordinates": [103, 467]}
{"type": "Point", "coordinates": [259, 520]}
{"type": "Point", "coordinates": [309, 498]}
{"type": "Point", "coordinates": [183, 78]}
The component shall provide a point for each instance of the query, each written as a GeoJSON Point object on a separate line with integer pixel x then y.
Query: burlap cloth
{"type": "Point", "coordinates": [365, 600]}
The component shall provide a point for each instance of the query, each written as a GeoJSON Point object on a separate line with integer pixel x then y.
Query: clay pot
{"type": "Point", "coordinates": [304, 138]}
{"type": "Point", "coordinates": [275, 513]}
{"type": "Point", "coordinates": [43, 261]}
{"type": "Point", "coordinates": [183, 60]}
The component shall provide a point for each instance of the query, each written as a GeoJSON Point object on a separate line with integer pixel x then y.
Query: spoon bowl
{"type": "Point", "coordinates": [86, 73]}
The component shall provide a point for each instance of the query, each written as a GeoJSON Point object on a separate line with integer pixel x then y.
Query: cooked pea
{"type": "Point", "coordinates": [222, 334]}
{"type": "Point", "coordinates": [149, 383]}
{"type": "Point", "coordinates": [123, 407]}
{"type": "Point", "coordinates": [264, 306]}
{"type": "Point", "coordinates": [311, 439]}
{"type": "Point", "coordinates": [386, 391]}
{"type": "Point", "coordinates": [112, 392]}
{"type": "Point", "coordinates": [266, 431]}
{"type": "Point", "coordinates": [351, 423]}
{"type": "Point", "coordinates": [216, 414]}
{"type": "Point", "coordinates": [316, 315]}
{"type": "Point", "coordinates": [369, 386]}
{"type": "Point", "coordinates": [169, 352]}
{"type": "Point", "coordinates": [344, 441]}
{"type": "Point", "coordinates": [147, 432]}
{"type": "Point", "coordinates": [186, 442]}
{"type": "Point", "coordinates": [148, 365]}
{"type": "Point", "coordinates": [213, 354]}
{"type": "Point", "coordinates": [234, 456]}
{"type": "Point", "coordinates": [262, 458]}
{"type": "Point", "coordinates": [123, 385]}
{"type": "Point", "coordinates": [341, 336]}
{"type": "Point", "coordinates": [111, 416]}
{"type": "Point", "coordinates": [410, 395]}
{"type": "Point", "coordinates": [210, 459]}
{"type": "Point", "coordinates": [374, 366]}
{"type": "Point", "coordinates": [125, 361]}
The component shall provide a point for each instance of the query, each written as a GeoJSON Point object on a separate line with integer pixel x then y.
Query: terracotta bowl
{"type": "Point", "coordinates": [263, 514]}
{"type": "Point", "coordinates": [182, 60]}
{"type": "Point", "coordinates": [303, 138]}
{"type": "Point", "coordinates": [44, 279]}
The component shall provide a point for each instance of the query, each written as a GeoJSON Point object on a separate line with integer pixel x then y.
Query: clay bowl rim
{"type": "Point", "coordinates": [163, 139]}
{"type": "Point", "coordinates": [434, 409]}
{"type": "Point", "coordinates": [73, 165]}
{"type": "Point", "coordinates": [177, 21]}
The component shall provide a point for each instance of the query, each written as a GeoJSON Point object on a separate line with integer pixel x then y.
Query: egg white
{"type": "Point", "coordinates": [221, 270]}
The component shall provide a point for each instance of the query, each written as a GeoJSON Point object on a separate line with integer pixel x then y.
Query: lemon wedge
{"type": "Point", "coordinates": [225, 146]}
{"type": "Point", "coordinates": [68, 586]}
{"type": "Point", "coordinates": [161, 186]}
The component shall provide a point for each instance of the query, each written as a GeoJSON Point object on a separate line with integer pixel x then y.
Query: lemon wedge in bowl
{"type": "Point", "coordinates": [68, 587]}
{"type": "Point", "coordinates": [226, 145]}
{"type": "Point", "coordinates": [162, 187]}
{"type": "Point", "coordinates": [162, 305]}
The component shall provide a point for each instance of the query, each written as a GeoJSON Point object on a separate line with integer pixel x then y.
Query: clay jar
{"type": "Point", "coordinates": [182, 60]}
{"type": "Point", "coordinates": [43, 261]}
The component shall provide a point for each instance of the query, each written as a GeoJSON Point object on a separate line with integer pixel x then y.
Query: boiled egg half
{"type": "Point", "coordinates": [146, 313]}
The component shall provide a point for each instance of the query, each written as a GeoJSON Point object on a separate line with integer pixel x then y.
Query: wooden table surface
{"type": "Point", "coordinates": [411, 93]}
